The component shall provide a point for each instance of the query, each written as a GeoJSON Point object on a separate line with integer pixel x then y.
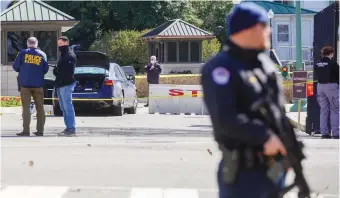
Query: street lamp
{"type": "Point", "coordinates": [271, 16]}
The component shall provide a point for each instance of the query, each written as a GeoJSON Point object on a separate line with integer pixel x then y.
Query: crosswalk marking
{"type": "Point", "coordinates": [146, 192]}
{"type": "Point", "coordinates": [181, 193]}
{"type": "Point", "coordinates": [163, 193]}
{"type": "Point", "coordinates": [33, 192]}
{"type": "Point", "coordinates": [64, 191]}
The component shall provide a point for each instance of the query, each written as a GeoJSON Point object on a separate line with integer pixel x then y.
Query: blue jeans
{"type": "Point", "coordinates": [252, 183]}
{"type": "Point", "coordinates": [66, 106]}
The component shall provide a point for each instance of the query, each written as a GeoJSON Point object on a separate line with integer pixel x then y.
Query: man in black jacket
{"type": "Point", "coordinates": [153, 70]}
{"type": "Point", "coordinates": [65, 83]}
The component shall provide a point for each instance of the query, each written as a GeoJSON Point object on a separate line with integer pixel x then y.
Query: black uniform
{"type": "Point", "coordinates": [229, 102]}
{"type": "Point", "coordinates": [327, 71]}
{"type": "Point", "coordinates": [234, 81]}
{"type": "Point", "coordinates": [64, 71]}
{"type": "Point", "coordinates": [327, 75]}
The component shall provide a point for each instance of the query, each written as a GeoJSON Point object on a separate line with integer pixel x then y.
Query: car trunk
{"type": "Point", "coordinates": [88, 82]}
{"type": "Point", "coordinates": [91, 67]}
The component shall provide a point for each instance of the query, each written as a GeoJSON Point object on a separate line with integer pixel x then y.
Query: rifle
{"type": "Point", "coordinates": [274, 116]}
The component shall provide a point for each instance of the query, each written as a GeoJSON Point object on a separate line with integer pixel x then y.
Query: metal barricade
{"type": "Point", "coordinates": [176, 99]}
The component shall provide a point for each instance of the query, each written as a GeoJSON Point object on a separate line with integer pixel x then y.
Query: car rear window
{"type": "Point", "coordinates": [89, 70]}
{"type": "Point", "coordinates": [129, 70]}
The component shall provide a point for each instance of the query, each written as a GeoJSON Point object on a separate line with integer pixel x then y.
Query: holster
{"type": "Point", "coordinates": [277, 166]}
{"type": "Point", "coordinates": [231, 162]}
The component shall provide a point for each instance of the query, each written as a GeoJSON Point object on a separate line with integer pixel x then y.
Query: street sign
{"type": "Point", "coordinates": [299, 84]}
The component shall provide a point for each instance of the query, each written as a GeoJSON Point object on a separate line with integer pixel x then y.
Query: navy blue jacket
{"type": "Point", "coordinates": [31, 63]}
{"type": "Point", "coordinates": [153, 74]}
{"type": "Point", "coordinates": [233, 81]}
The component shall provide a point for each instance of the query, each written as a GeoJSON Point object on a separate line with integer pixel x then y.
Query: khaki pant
{"type": "Point", "coordinates": [38, 97]}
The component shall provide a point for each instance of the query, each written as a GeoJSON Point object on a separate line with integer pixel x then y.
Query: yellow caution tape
{"type": "Point", "coordinates": [150, 97]}
{"type": "Point", "coordinates": [173, 75]}
{"type": "Point", "coordinates": [182, 75]}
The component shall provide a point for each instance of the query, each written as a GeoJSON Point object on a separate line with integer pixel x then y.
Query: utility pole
{"type": "Point", "coordinates": [298, 36]}
{"type": "Point", "coordinates": [296, 104]}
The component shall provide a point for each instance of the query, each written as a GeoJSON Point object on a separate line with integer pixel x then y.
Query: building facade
{"type": "Point", "coordinates": [21, 21]}
{"type": "Point", "coordinates": [177, 46]}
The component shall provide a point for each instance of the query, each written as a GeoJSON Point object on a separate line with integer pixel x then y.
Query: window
{"type": "Point", "coordinates": [194, 52]}
{"type": "Point", "coordinates": [89, 70]}
{"type": "Point", "coordinates": [183, 51]}
{"type": "Point", "coordinates": [152, 49]}
{"type": "Point", "coordinates": [286, 2]}
{"type": "Point", "coordinates": [172, 52]}
{"type": "Point", "coordinates": [117, 73]}
{"type": "Point", "coordinates": [283, 33]}
{"type": "Point", "coordinates": [16, 41]}
{"type": "Point", "coordinates": [122, 73]}
{"type": "Point", "coordinates": [47, 41]}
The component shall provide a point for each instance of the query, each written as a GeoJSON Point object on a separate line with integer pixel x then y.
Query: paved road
{"type": "Point", "coordinates": [134, 156]}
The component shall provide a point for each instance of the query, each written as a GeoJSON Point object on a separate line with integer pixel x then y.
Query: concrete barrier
{"type": "Point", "coordinates": [176, 99]}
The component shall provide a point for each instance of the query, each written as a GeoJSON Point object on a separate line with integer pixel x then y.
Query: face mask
{"type": "Point", "coordinates": [63, 48]}
{"type": "Point", "coordinates": [152, 62]}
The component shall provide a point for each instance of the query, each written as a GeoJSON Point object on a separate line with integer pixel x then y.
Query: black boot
{"type": "Point", "coordinates": [326, 137]}
{"type": "Point", "coordinates": [23, 134]}
{"type": "Point", "coordinates": [38, 133]}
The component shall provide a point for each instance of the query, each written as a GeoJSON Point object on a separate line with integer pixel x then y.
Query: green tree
{"type": "Point", "coordinates": [213, 14]}
{"type": "Point", "coordinates": [97, 17]}
{"type": "Point", "coordinates": [124, 47]}
{"type": "Point", "coordinates": [210, 48]}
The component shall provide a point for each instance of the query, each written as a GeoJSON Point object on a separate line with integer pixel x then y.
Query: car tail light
{"type": "Point", "coordinates": [108, 82]}
{"type": "Point", "coordinates": [310, 89]}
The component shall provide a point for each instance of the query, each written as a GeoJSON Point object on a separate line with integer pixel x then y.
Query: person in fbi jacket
{"type": "Point", "coordinates": [327, 75]}
{"type": "Point", "coordinates": [233, 82]}
{"type": "Point", "coordinates": [31, 63]}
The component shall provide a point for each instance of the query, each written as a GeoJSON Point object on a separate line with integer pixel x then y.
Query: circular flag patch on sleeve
{"type": "Point", "coordinates": [221, 75]}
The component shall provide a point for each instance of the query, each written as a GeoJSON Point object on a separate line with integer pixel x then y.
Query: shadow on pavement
{"type": "Point", "coordinates": [199, 125]}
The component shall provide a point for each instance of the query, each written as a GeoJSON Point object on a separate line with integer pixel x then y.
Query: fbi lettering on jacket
{"type": "Point", "coordinates": [32, 59]}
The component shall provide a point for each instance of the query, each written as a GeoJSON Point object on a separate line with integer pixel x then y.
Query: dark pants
{"type": "Point", "coordinates": [252, 183]}
{"type": "Point", "coordinates": [328, 99]}
{"type": "Point", "coordinates": [38, 97]}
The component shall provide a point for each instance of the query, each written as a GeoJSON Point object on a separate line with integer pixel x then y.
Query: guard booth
{"type": "Point", "coordinates": [325, 34]}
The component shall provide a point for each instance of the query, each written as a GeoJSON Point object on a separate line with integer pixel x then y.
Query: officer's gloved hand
{"type": "Point", "coordinates": [274, 146]}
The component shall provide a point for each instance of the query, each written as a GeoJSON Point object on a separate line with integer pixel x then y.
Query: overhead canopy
{"type": "Point", "coordinates": [177, 29]}
{"type": "Point", "coordinates": [36, 11]}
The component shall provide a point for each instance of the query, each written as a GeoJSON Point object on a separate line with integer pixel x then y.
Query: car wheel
{"type": "Point", "coordinates": [133, 109]}
{"type": "Point", "coordinates": [118, 110]}
{"type": "Point", "coordinates": [57, 111]}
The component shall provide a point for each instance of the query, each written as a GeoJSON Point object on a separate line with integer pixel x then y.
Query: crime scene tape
{"type": "Point", "coordinates": [182, 75]}
{"type": "Point", "coordinates": [172, 76]}
{"type": "Point", "coordinates": [198, 95]}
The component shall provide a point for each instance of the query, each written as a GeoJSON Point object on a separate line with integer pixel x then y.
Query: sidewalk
{"type": "Point", "coordinates": [48, 109]}
{"type": "Point", "coordinates": [294, 118]}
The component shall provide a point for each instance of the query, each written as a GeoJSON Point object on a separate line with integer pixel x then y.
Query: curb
{"type": "Point", "coordinates": [10, 110]}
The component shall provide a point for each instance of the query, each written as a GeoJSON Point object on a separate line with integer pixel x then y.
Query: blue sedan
{"type": "Point", "coordinates": [100, 84]}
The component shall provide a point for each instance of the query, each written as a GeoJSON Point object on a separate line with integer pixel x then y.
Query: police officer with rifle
{"type": "Point", "coordinates": [245, 99]}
